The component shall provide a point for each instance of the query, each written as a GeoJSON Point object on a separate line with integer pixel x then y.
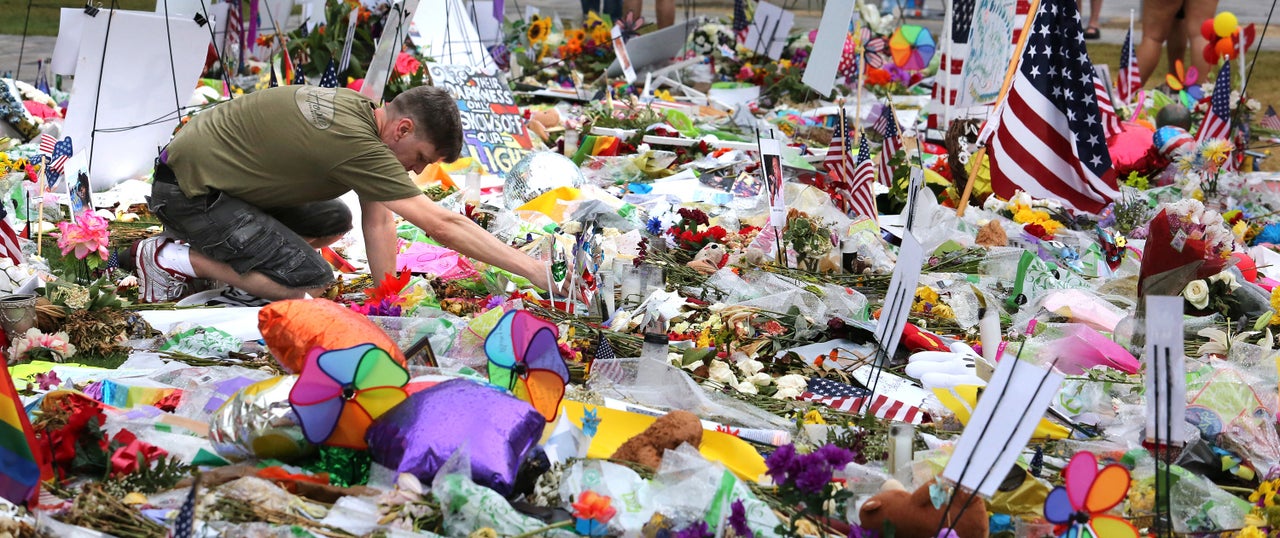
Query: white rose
{"type": "Point", "coordinates": [790, 386]}
{"type": "Point", "coordinates": [1197, 293]}
{"type": "Point", "coordinates": [1228, 278]}
{"type": "Point", "coordinates": [746, 388]}
{"type": "Point", "coordinates": [721, 373]}
{"type": "Point", "coordinates": [760, 379]}
{"type": "Point", "coordinates": [750, 367]}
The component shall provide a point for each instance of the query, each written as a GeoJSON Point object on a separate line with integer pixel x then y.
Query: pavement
{"type": "Point", "coordinates": [1114, 22]}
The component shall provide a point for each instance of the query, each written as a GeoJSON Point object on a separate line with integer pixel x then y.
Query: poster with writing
{"type": "Point", "coordinates": [492, 126]}
{"type": "Point", "coordinates": [990, 49]}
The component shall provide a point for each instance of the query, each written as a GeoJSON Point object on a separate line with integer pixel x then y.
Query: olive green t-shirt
{"type": "Point", "coordinates": [286, 146]}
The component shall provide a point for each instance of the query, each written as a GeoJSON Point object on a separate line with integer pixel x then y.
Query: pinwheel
{"type": "Point", "coordinates": [1079, 508]}
{"type": "Point", "coordinates": [525, 359]}
{"type": "Point", "coordinates": [1183, 81]}
{"type": "Point", "coordinates": [341, 391]}
{"type": "Point", "coordinates": [873, 47]}
{"type": "Point", "coordinates": [912, 47]}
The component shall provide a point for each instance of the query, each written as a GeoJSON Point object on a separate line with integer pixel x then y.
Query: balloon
{"type": "Point", "coordinates": [1169, 139]}
{"type": "Point", "coordinates": [1207, 31]}
{"type": "Point", "coordinates": [1225, 48]}
{"type": "Point", "coordinates": [419, 435]}
{"type": "Point", "coordinates": [1246, 265]}
{"type": "Point", "coordinates": [1132, 150]}
{"type": "Point", "coordinates": [1210, 54]}
{"type": "Point", "coordinates": [1225, 23]}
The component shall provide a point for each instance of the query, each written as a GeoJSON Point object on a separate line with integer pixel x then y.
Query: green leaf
{"type": "Point", "coordinates": [681, 122]}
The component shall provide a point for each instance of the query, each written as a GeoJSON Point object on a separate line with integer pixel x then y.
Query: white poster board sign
{"type": "Point", "coordinates": [125, 90]}
{"type": "Point", "coordinates": [990, 49]}
{"type": "Point", "coordinates": [70, 29]}
{"type": "Point", "coordinates": [820, 74]}
{"type": "Point", "coordinates": [768, 33]}
{"type": "Point", "coordinates": [1166, 371]}
{"type": "Point", "coordinates": [443, 29]}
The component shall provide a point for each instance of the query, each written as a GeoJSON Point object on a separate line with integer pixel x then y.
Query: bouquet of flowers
{"type": "Point", "coordinates": [1185, 242]}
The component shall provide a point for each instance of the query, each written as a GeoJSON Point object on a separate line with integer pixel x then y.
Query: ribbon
{"type": "Point", "coordinates": [126, 459]}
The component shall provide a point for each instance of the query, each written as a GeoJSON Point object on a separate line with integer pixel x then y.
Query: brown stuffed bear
{"type": "Point", "coordinates": [913, 514]}
{"type": "Point", "coordinates": [666, 433]}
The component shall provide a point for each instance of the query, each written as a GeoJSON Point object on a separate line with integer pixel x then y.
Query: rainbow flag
{"type": "Point", "coordinates": [19, 469]}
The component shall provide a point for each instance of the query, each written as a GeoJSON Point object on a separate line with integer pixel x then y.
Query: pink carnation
{"type": "Point", "coordinates": [88, 234]}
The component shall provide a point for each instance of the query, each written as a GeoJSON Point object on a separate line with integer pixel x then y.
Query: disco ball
{"type": "Point", "coordinates": [536, 174]}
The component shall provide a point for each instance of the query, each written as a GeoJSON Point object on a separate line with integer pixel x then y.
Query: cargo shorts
{"type": "Point", "coordinates": [248, 238]}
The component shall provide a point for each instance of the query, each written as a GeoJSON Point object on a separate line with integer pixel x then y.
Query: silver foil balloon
{"type": "Point", "coordinates": [258, 422]}
{"type": "Point", "coordinates": [536, 174]}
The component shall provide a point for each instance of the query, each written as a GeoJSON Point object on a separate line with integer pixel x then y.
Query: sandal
{"type": "Point", "coordinates": [1092, 33]}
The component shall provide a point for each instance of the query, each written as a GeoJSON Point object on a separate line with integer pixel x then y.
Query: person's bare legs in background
{"type": "Point", "coordinates": [666, 10]}
{"type": "Point", "coordinates": [1196, 12]}
{"type": "Point", "coordinates": [1091, 30]}
{"type": "Point", "coordinates": [1158, 20]}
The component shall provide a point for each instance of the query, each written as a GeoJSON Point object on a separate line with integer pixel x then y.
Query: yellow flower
{"type": "Point", "coordinates": [575, 34]}
{"type": "Point", "coordinates": [601, 35]}
{"type": "Point", "coordinates": [814, 417]}
{"type": "Point", "coordinates": [1216, 151]}
{"type": "Point", "coordinates": [1275, 305]}
{"type": "Point", "coordinates": [664, 95]}
{"type": "Point", "coordinates": [539, 28]}
{"type": "Point", "coordinates": [1024, 216]}
{"type": "Point", "coordinates": [1251, 532]}
{"type": "Point", "coordinates": [784, 64]}
{"type": "Point", "coordinates": [704, 338]}
{"type": "Point", "coordinates": [942, 311]}
{"type": "Point", "coordinates": [926, 294]}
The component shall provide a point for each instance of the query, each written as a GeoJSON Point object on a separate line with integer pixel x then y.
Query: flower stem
{"type": "Point", "coordinates": [551, 527]}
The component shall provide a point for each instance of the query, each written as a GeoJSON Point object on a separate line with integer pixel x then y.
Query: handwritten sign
{"type": "Point", "coordinates": [1166, 378]}
{"type": "Point", "coordinates": [990, 49]}
{"type": "Point", "coordinates": [492, 126]}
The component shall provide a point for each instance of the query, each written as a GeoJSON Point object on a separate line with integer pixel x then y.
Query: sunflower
{"type": "Point", "coordinates": [538, 29]}
{"type": "Point", "coordinates": [575, 34]}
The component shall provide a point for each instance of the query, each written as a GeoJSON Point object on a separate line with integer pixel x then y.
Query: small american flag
{"type": "Point", "coordinates": [1130, 79]}
{"type": "Point", "coordinates": [887, 126]}
{"type": "Point", "coordinates": [1110, 121]}
{"type": "Point", "coordinates": [1270, 120]}
{"type": "Point", "coordinates": [740, 15]}
{"type": "Point", "coordinates": [9, 246]}
{"type": "Point", "coordinates": [185, 523]}
{"type": "Point", "coordinates": [330, 77]}
{"type": "Point", "coordinates": [851, 399]}
{"type": "Point", "coordinates": [840, 167]}
{"type": "Point", "coordinates": [1217, 123]}
{"type": "Point", "coordinates": [864, 176]}
{"type": "Point", "coordinates": [273, 83]}
{"type": "Point", "coordinates": [59, 151]}
{"type": "Point", "coordinates": [298, 78]}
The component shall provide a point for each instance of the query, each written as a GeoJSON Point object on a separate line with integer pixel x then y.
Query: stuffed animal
{"type": "Point", "coordinates": [666, 433]}
{"type": "Point", "coordinates": [913, 514]}
{"type": "Point", "coordinates": [710, 259]}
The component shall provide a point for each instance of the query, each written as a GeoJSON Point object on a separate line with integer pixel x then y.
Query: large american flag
{"type": "Point", "coordinates": [1130, 80]}
{"type": "Point", "coordinates": [1046, 139]}
{"type": "Point", "coordinates": [955, 37]}
{"type": "Point", "coordinates": [851, 399]}
{"type": "Point", "coordinates": [1217, 123]}
{"type": "Point", "coordinates": [9, 246]}
{"type": "Point", "coordinates": [1110, 121]}
{"type": "Point", "coordinates": [887, 126]}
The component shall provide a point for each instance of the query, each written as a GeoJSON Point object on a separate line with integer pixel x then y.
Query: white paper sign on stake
{"type": "Point", "coordinates": [488, 26]}
{"type": "Point", "coordinates": [624, 58]}
{"type": "Point", "coordinates": [913, 196]}
{"type": "Point", "coordinates": [768, 33]}
{"type": "Point", "coordinates": [348, 40]}
{"type": "Point", "coordinates": [901, 295]}
{"type": "Point", "coordinates": [529, 12]}
{"type": "Point", "coordinates": [774, 183]}
{"type": "Point", "coordinates": [123, 90]}
{"type": "Point", "coordinates": [397, 27]}
{"type": "Point", "coordinates": [1166, 379]}
{"type": "Point", "coordinates": [67, 48]}
{"type": "Point", "coordinates": [820, 74]}
{"type": "Point", "coordinates": [1006, 416]}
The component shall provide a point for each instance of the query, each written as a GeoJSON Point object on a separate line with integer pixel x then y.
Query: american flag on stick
{"type": "Point", "coordinates": [887, 126]}
{"type": "Point", "coordinates": [1217, 123]}
{"type": "Point", "coordinates": [1130, 79]}
{"type": "Point", "coordinates": [850, 399]}
{"type": "Point", "coordinates": [1046, 139]}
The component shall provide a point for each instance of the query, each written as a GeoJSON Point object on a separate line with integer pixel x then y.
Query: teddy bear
{"type": "Point", "coordinates": [913, 514]}
{"type": "Point", "coordinates": [666, 433]}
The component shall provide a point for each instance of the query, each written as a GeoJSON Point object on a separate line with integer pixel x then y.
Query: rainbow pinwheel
{"type": "Point", "coordinates": [912, 47]}
{"type": "Point", "coordinates": [341, 391]}
{"type": "Point", "coordinates": [1079, 509]}
{"type": "Point", "coordinates": [524, 358]}
{"type": "Point", "coordinates": [873, 48]}
{"type": "Point", "coordinates": [1183, 81]}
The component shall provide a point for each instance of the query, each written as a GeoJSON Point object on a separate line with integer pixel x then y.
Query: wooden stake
{"type": "Point", "coordinates": [974, 162]}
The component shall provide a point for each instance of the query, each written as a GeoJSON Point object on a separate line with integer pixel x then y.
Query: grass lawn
{"type": "Point", "coordinates": [1263, 86]}
{"type": "Point", "coordinates": [45, 13]}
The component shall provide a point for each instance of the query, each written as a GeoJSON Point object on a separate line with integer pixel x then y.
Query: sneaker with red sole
{"type": "Point", "coordinates": [156, 283]}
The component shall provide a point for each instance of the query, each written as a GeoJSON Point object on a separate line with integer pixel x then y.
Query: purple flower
{"type": "Point", "coordinates": [738, 520]}
{"type": "Point", "coordinates": [494, 302]}
{"type": "Point", "coordinates": [835, 456]}
{"type": "Point", "coordinates": [48, 380]}
{"type": "Point", "coordinates": [812, 478]}
{"type": "Point", "coordinates": [857, 531]}
{"type": "Point", "coordinates": [781, 463]}
{"type": "Point", "coordinates": [698, 529]}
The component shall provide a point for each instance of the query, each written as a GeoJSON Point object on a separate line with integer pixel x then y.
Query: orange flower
{"type": "Point", "coordinates": [575, 34]}
{"type": "Point", "coordinates": [264, 40]}
{"type": "Point", "coordinates": [571, 49]}
{"type": "Point", "coordinates": [878, 77]}
{"type": "Point", "coordinates": [594, 506]}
